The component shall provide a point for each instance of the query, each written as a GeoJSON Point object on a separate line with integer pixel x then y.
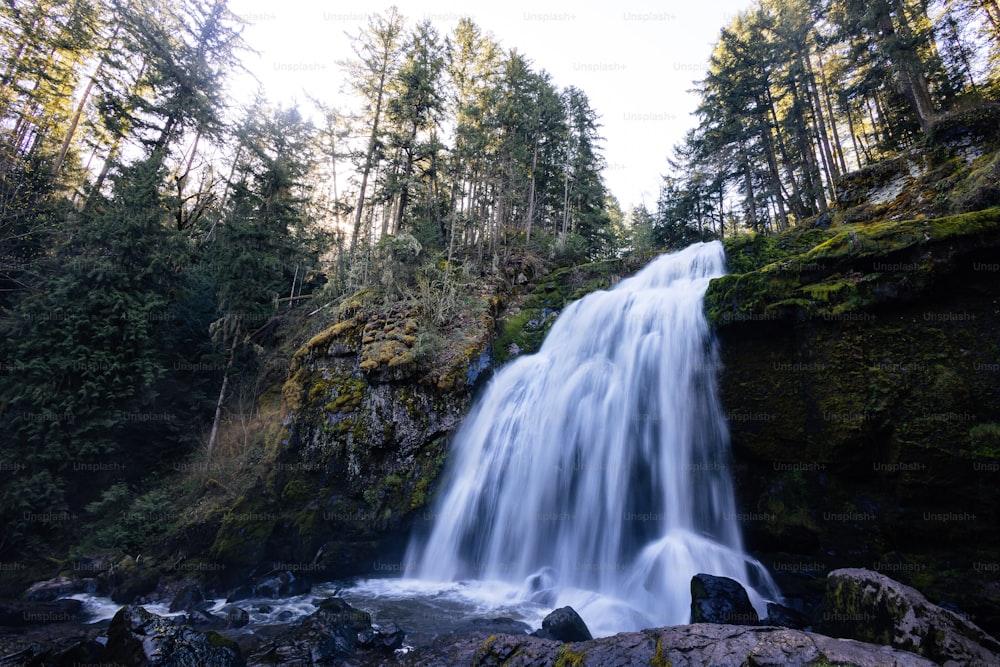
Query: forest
{"type": "Point", "coordinates": [154, 231]}
{"type": "Point", "coordinates": [801, 92]}
{"type": "Point", "coordinates": [152, 226]}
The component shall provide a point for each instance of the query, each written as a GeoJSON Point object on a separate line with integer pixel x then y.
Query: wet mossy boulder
{"type": "Point", "coordinates": [871, 607]}
{"type": "Point", "coordinates": [336, 632]}
{"type": "Point", "coordinates": [139, 637]}
{"type": "Point", "coordinates": [862, 388]}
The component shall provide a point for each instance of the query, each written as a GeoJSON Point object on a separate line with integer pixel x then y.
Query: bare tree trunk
{"type": "Point", "coordinates": [531, 192]}
{"type": "Point", "coordinates": [370, 155]}
{"type": "Point", "coordinates": [221, 401]}
{"type": "Point", "coordinates": [80, 107]}
{"type": "Point", "coordinates": [992, 10]}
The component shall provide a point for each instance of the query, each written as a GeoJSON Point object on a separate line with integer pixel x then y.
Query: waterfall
{"type": "Point", "coordinates": [598, 468]}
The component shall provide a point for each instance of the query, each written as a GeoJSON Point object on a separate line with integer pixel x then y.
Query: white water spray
{"type": "Point", "coordinates": [596, 472]}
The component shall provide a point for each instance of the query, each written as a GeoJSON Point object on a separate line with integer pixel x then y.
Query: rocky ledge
{"type": "Point", "coordinates": [699, 644]}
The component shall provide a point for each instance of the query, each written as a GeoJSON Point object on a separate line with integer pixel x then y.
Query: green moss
{"type": "Point", "coordinates": [659, 656]}
{"type": "Point", "coordinates": [985, 440]}
{"type": "Point", "coordinates": [569, 658]}
{"type": "Point", "coordinates": [524, 331]}
{"type": "Point", "coordinates": [215, 639]}
{"type": "Point", "coordinates": [751, 252]}
{"type": "Point", "coordinates": [246, 528]}
{"type": "Point", "coordinates": [853, 269]}
{"type": "Point", "coordinates": [296, 491]}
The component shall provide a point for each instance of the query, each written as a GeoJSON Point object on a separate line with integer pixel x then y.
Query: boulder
{"type": "Point", "coordinates": [59, 587]}
{"type": "Point", "coordinates": [282, 585]}
{"type": "Point", "coordinates": [189, 598]}
{"type": "Point", "coordinates": [382, 640]}
{"type": "Point", "coordinates": [132, 579]}
{"type": "Point", "coordinates": [331, 635]}
{"type": "Point", "coordinates": [236, 617]}
{"type": "Point", "coordinates": [720, 600]}
{"type": "Point", "coordinates": [564, 625]}
{"type": "Point", "coordinates": [871, 607]}
{"type": "Point", "coordinates": [138, 637]}
{"type": "Point", "coordinates": [24, 613]}
{"type": "Point", "coordinates": [679, 646]}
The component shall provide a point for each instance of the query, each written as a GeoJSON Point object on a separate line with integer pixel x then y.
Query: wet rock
{"type": "Point", "coordinates": [382, 640]}
{"type": "Point", "coordinates": [330, 635]}
{"type": "Point", "coordinates": [138, 637]}
{"type": "Point", "coordinates": [59, 587]}
{"type": "Point", "coordinates": [679, 646]}
{"type": "Point", "coordinates": [564, 625]}
{"type": "Point", "coordinates": [542, 587]}
{"type": "Point", "coordinates": [785, 617]}
{"type": "Point", "coordinates": [492, 626]}
{"type": "Point", "coordinates": [720, 600]}
{"type": "Point", "coordinates": [202, 617]}
{"type": "Point", "coordinates": [244, 592]}
{"type": "Point", "coordinates": [869, 606]}
{"type": "Point", "coordinates": [24, 613]}
{"type": "Point", "coordinates": [236, 617]}
{"type": "Point", "coordinates": [188, 598]}
{"type": "Point", "coordinates": [283, 585]}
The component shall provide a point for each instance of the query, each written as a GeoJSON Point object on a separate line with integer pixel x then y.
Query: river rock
{"type": "Point", "coordinates": [236, 617]}
{"type": "Point", "coordinates": [330, 635]}
{"type": "Point", "coordinates": [189, 598]}
{"type": "Point", "coordinates": [720, 600]}
{"type": "Point", "coordinates": [24, 613]}
{"type": "Point", "coordinates": [679, 646]}
{"type": "Point", "coordinates": [498, 625]}
{"type": "Point", "coordinates": [869, 606]}
{"type": "Point", "coordinates": [564, 625]}
{"type": "Point", "coordinates": [138, 637]}
{"type": "Point", "coordinates": [282, 585]}
{"type": "Point", "coordinates": [59, 587]}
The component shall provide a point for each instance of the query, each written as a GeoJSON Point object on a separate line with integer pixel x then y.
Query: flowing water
{"type": "Point", "coordinates": [594, 474]}
{"type": "Point", "coordinates": [597, 469]}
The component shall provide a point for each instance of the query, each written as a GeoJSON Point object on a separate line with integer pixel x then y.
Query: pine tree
{"type": "Point", "coordinates": [92, 358]}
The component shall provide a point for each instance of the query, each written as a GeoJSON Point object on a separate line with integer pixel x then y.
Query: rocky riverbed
{"type": "Point", "coordinates": [866, 619]}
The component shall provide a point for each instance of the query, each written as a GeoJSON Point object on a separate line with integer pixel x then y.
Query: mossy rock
{"type": "Point", "coordinates": [856, 268]}
{"type": "Point", "coordinates": [242, 539]}
{"type": "Point", "coordinates": [524, 330]}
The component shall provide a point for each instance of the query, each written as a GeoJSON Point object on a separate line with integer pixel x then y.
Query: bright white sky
{"type": "Point", "coordinates": [635, 59]}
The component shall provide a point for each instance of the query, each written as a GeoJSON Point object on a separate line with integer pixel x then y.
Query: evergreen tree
{"type": "Point", "coordinates": [92, 395]}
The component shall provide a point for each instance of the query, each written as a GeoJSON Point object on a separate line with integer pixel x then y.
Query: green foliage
{"type": "Point", "coordinates": [568, 657]}
{"type": "Point", "coordinates": [97, 390]}
{"type": "Point", "coordinates": [128, 520]}
{"type": "Point", "coordinates": [799, 94]}
{"type": "Point", "coordinates": [985, 440]}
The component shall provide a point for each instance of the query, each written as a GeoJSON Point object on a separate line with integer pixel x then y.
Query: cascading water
{"type": "Point", "coordinates": [595, 472]}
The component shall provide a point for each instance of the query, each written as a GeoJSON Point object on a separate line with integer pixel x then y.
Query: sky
{"type": "Point", "coordinates": [637, 61]}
